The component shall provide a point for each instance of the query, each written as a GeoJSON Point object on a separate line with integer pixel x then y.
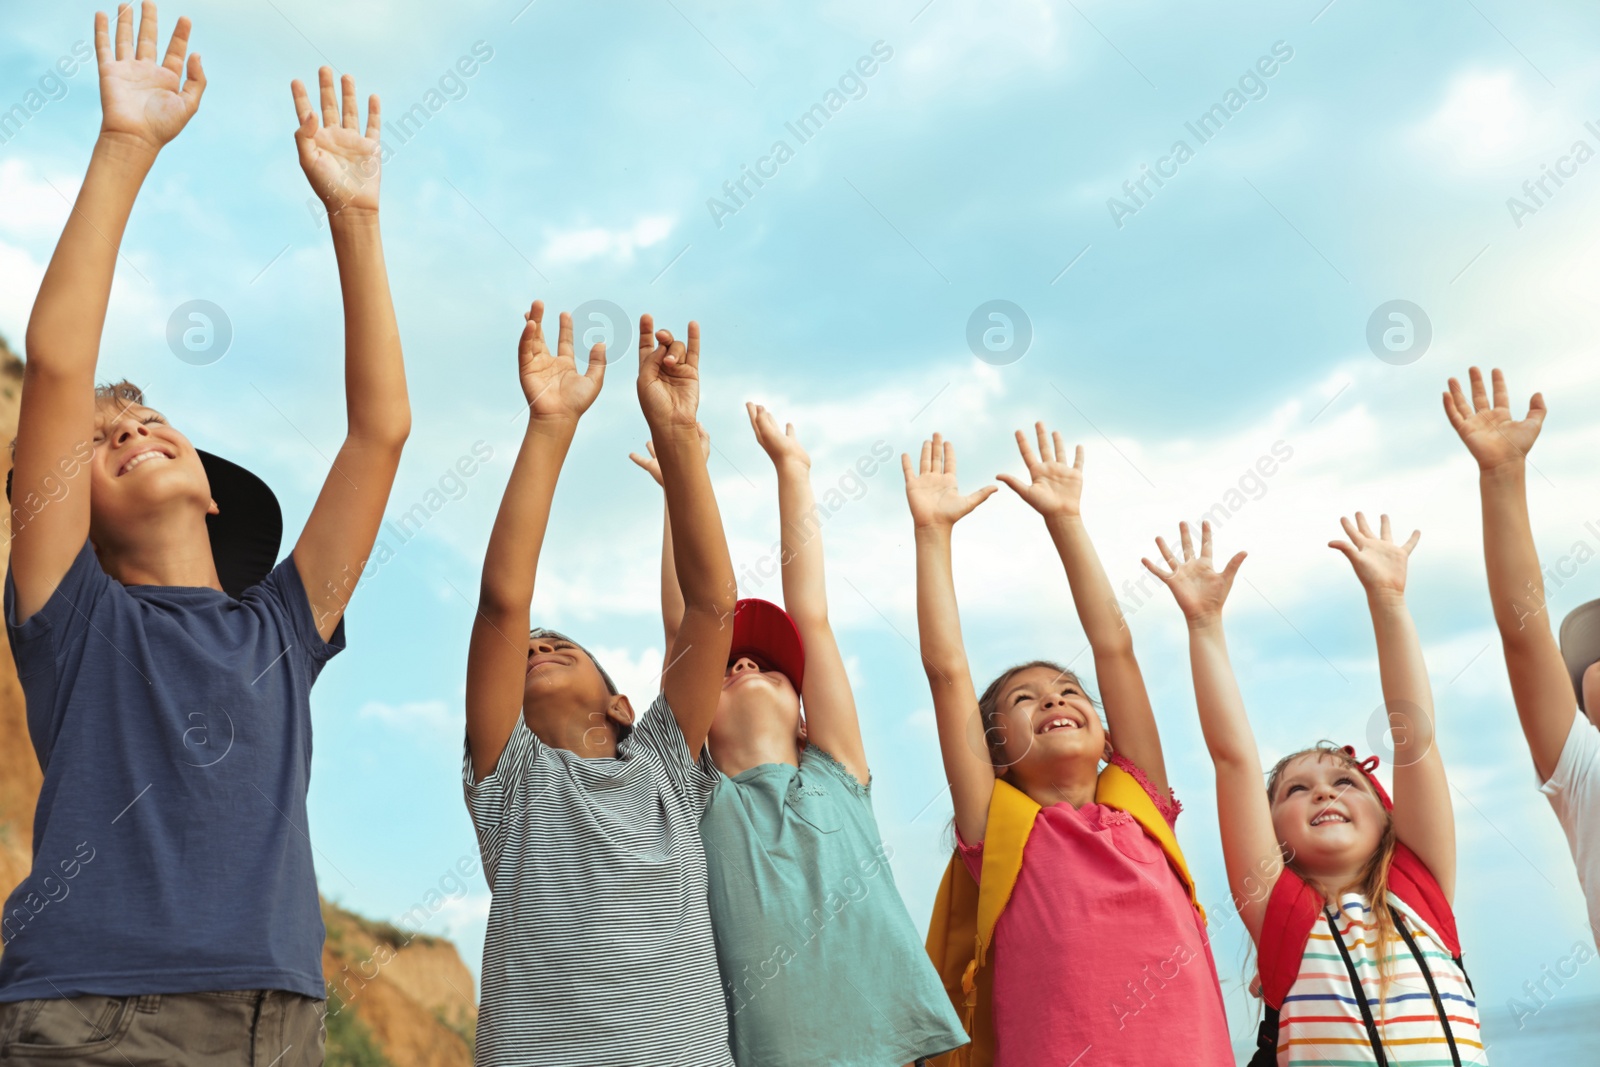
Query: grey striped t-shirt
{"type": "Point", "coordinates": [599, 949]}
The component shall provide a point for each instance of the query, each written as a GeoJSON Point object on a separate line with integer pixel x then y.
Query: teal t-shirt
{"type": "Point", "coordinates": [820, 961]}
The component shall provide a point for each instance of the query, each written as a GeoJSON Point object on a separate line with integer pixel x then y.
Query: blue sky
{"type": "Point", "coordinates": [1225, 317]}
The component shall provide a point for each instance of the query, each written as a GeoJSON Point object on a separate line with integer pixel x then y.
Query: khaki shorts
{"type": "Point", "coordinates": [244, 1028]}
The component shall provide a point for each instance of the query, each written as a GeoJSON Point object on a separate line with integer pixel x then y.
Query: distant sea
{"type": "Point", "coordinates": [1562, 1035]}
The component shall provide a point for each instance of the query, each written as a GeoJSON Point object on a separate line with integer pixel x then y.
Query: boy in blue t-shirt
{"type": "Point", "coordinates": [171, 913]}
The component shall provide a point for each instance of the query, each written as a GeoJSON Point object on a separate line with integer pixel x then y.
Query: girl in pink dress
{"type": "Point", "coordinates": [1100, 955]}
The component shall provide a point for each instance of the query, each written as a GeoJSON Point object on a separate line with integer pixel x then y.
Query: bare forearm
{"type": "Point", "coordinates": [1223, 721]}
{"type": "Point", "coordinates": [512, 558]}
{"type": "Point", "coordinates": [699, 546]}
{"type": "Point", "coordinates": [804, 585]}
{"type": "Point", "coordinates": [1407, 693]}
{"type": "Point", "coordinates": [70, 311]}
{"type": "Point", "coordinates": [671, 595]}
{"type": "Point", "coordinates": [375, 380]}
{"type": "Point", "coordinates": [1516, 585]}
{"type": "Point", "coordinates": [938, 615]}
{"type": "Point", "coordinates": [1091, 589]}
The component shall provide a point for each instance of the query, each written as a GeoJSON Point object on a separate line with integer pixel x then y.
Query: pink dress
{"type": "Point", "coordinates": [1099, 957]}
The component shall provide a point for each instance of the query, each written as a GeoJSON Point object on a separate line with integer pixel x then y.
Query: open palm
{"type": "Point", "coordinates": [931, 490]}
{"type": "Point", "coordinates": [1489, 431]}
{"type": "Point", "coordinates": [1198, 587]}
{"type": "Point", "coordinates": [1055, 486]}
{"type": "Point", "coordinates": [552, 383]}
{"type": "Point", "coordinates": [140, 99]}
{"type": "Point", "coordinates": [343, 165]}
{"type": "Point", "coordinates": [1379, 563]}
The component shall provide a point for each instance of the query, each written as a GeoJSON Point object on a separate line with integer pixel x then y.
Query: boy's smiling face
{"type": "Point", "coordinates": [141, 465]}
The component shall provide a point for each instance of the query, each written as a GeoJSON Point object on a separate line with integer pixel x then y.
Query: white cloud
{"type": "Point", "coordinates": [428, 717]}
{"type": "Point", "coordinates": [1486, 119]}
{"type": "Point", "coordinates": [564, 247]}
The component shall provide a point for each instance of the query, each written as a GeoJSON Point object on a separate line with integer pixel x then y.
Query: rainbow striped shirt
{"type": "Point", "coordinates": [1321, 1020]}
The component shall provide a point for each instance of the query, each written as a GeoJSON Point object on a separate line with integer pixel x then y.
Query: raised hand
{"type": "Point", "coordinates": [1195, 583]}
{"type": "Point", "coordinates": [781, 446]}
{"type": "Point", "coordinates": [1378, 561]}
{"type": "Point", "coordinates": [1056, 486]}
{"type": "Point", "coordinates": [143, 101]}
{"type": "Point", "coordinates": [343, 165]}
{"type": "Point", "coordinates": [931, 491]}
{"type": "Point", "coordinates": [552, 384]}
{"type": "Point", "coordinates": [669, 376]}
{"type": "Point", "coordinates": [652, 466]}
{"type": "Point", "coordinates": [1494, 438]}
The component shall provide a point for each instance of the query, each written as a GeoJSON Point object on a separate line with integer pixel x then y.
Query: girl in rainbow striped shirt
{"type": "Point", "coordinates": [1358, 955]}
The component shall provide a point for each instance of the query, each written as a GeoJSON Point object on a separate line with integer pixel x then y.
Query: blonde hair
{"type": "Point", "coordinates": [1373, 883]}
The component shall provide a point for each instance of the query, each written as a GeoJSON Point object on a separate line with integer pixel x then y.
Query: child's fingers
{"type": "Point", "coordinates": [178, 47]}
{"type": "Point", "coordinates": [350, 113]}
{"type": "Point", "coordinates": [950, 459]}
{"type": "Point", "coordinates": [596, 371]}
{"type": "Point", "coordinates": [1411, 542]}
{"type": "Point", "coordinates": [925, 462]}
{"type": "Point", "coordinates": [536, 315]}
{"type": "Point", "coordinates": [125, 31]}
{"type": "Point", "coordinates": [1361, 524]}
{"type": "Point", "coordinates": [1233, 567]}
{"type": "Point", "coordinates": [1346, 547]}
{"type": "Point", "coordinates": [1045, 451]}
{"type": "Point", "coordinates": [302, 107]}
{"type": "Point", "coordinates": [647, 333]}
{"type": "Point", "coordinates": [102, 39]}
{"type": "Point", "coordinates": [1028, 458]}
{"type": "Point", "coordinates": [692, 350]}
{"type": "Point", "coordinates": [374, 119]}
{"type": "Point", "coordinates": [1188, 541]}
{"type": "Point", "coordinates": [1205, 540]}
{"type": "Point", "coordinates": [905, 467]}
{"type": "Point", "coordinates": [1480, 399]}
{"type": "Point", "coordinates": [1077, 459]}
{"type": "Point", "coordinates": [1383, 528]}
{"type": "Point", "coordinates": [980, 495]}
{"type": "Point", "coordinates": [330, 103]}
{"type": "Point", "coordinates": [1349, 529]}
{"type": "Point", "coordinates": [564, 337]}
{"type": "Point", "coordinates": [195, 86]}
{"type": "Point", "coordinates": [146, 48]}
{"type": "Point", "coordinates": [651, 447]}
{"type": "Point", "coordinates": [1007, 480]}
{"type": "Point", "coordinates": [1458, 400]}
{"type": "Point", "coordinates": [1501, 400]}
{"type": "Point", "coordinates": [1166, 552]}
{"type": "Point", "coordinates": [1450, 412]}
{"type": "Point", "coordinates": [1059, 445]}
{"type": "Point", "coordinates": [1164, 575]}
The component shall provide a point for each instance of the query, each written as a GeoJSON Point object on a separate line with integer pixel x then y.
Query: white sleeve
{"type": "Point", "coordinates": [1574, 793]}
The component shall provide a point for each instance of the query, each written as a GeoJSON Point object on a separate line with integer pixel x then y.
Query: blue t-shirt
{"type": "Point", "coordinates": [170, 847]}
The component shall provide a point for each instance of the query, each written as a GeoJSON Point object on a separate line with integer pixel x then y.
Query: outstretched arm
{"type": "Point", "coordinates": [497, 659]}
{"type": "Point", "coordinates": [831, 720]}
{"type": "Point", "coordinates": [1540, 685]}
{"type": "Point", "coordinates": [342, 165]}
{"type": "Point", "coordinates": [669, 394]}
{"type": "Point", "coordinates": [1250, 848]}
{"type": "Point", "coordinates": [671, 594]}
{"type": "Point", "coordinates": [936, 506]}
{"type": "Point", "coordinates": [1054, 491]}
{"type": "Point", "coordinates": [144, 104]}
{"type": "Point", "coordinates": [1423, 820]}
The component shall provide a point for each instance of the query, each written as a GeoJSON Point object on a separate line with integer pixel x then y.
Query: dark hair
{"type": "Point", "coordinates": [989, 702]}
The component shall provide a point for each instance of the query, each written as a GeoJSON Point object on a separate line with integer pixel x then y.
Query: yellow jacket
{"type": "Point", "coordinates": [965, 912]}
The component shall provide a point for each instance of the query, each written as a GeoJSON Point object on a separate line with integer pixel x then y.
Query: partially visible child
{"type": "Point", "coordinates": [599, 948]}
{"type": "Point", "coordinates": [1099, 943]}
{"type": "Point", "coordinates": [165, 651]}
{"type": "Point", "coordinates": [1556, 690]}
{"type": "Point", "coordinates": [820, 961]}
{"type": "Point", "coordinates": [1345, 894]}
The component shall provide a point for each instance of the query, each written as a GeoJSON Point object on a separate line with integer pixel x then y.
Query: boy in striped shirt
{"type": "Point", "coordinates": [599, 948]}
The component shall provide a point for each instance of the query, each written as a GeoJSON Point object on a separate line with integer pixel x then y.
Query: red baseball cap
{"type": "Point", "coordinates": [765, 632]}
